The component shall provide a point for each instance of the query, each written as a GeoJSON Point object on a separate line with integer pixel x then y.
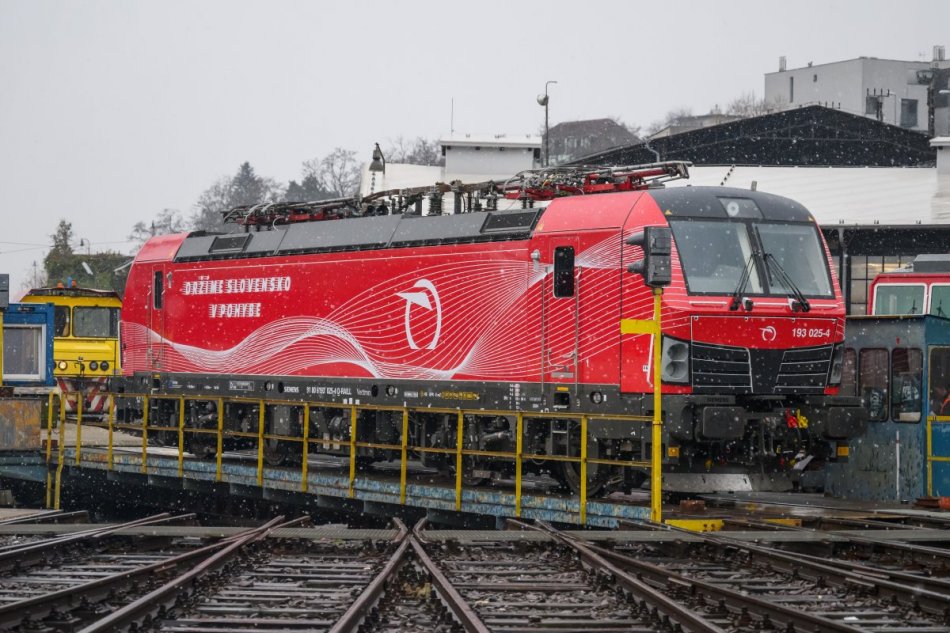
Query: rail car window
{"type": "Point", "coordinates": [907, 366]}
{"type": "Point", "coordinates": [61, 321]}
{"type": "Point", "coordinates": [96, 322]}
{"type": "Point", "coordinates": [158, 290]}
{"type": "Point", "coordinates": [713, 255]}
{"type": "Point", "coordinates": [564, 271]}
{"type": "Point", "coordinates": [849, 373]}
{"type": "Point", "coordinates": [940, 301]}
{"type": "Point", "coordinates": [872, 382]}
{"type": "Point", "coordinates": [939, 372]}
{"type": "Point", "coordinates": [899, 299]}
{"type": "Point", "coordinates": [800, 254]}
{"type": "Point", "coordinates": [24, 356]}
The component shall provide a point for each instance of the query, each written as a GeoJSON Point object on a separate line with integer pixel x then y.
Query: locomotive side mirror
{"type": "Point", "coordinates": [656, 265]}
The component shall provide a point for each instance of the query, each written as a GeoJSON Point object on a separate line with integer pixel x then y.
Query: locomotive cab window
{"type": "Point", "coordinates": [158, 290]}
{"type": "Point", "coordinates": [96, 322]}
{"type": "Point", "coordinates": [564, 271]}
{"type": "Point", "coordinates": [899, 299]}
{"type": "Point", "coordinates": [940, 300]}
{"type": "Point", "coordinates": [938, 372]}
{"type": "Point", "coordinates": [61, 321]}
{"type": "Point", "coordinates": [872, 382]}
{"type": "Point", "coordinates": [755, 256]}
{"type": "Point", "coordinates": [714, 255]}
{"type": "Point", "coordinates": [906, 374]}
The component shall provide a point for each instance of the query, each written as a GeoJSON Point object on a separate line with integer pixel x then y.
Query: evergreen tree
{"type": "Point", "coordinates": [244, 188]}
{"type": "Point", "coordinates": [309, 190]}
{"type": "Point", "coordinates": [59, 262]}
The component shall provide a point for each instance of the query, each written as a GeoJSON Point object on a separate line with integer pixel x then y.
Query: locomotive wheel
{"type": "Point", "coordinates": [201, 446]}
{"type": "Point", "coordinates": [275, 453]}
{"type": "Point", "coordinates": [468, 480]}
{"type": "Point", "coordinates": [596, 474]}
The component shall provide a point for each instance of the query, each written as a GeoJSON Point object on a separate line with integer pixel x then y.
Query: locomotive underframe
{"type": "Point", "coordinates": [701, 434]}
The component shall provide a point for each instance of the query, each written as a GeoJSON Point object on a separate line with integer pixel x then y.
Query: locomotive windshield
{"type": "Point", "coordinates": [95, 322]}
{"type": "Point", "coordinates": [714, 254]}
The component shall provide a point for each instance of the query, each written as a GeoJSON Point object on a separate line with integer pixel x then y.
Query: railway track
{"type": "Point", "coordinates": [269, 579]}
{"type": "Point", "coordinates": [757, 587]}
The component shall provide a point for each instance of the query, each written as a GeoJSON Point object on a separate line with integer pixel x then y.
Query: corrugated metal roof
{"type": "Point", "coordinates": [852, 195]}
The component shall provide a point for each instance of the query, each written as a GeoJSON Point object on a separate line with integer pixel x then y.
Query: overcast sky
{"type": "Point", "coordinates": [111, 111]}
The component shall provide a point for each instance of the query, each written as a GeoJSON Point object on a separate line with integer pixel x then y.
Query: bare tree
{"type": "Point", "coordinates": [417, 152]}
{"type": "Point", "coordinates": [672, 118]}
{"type": "Point", "coordinates": [166, 222]}
{"type": "Point", "coordinates": [337, 173]}
{"type": "Point", "coordinates": [747, 105]}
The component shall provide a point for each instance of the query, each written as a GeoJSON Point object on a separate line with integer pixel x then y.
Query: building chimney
{"type": "Point", "coordinates": [940, 53]}
{"type": "Point", "coordinates": [781, 64]}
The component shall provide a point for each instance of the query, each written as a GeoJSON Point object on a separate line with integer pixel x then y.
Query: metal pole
{"type": "Point", "coordinates": [656, 462]}
{"type": "Point", "coordinates": [547, 141]}
{"type": "Point", "coordinates": [145, 407]}
{"type": "Point", "coordinates": [261, 415]}
{"type": "Point", "coordinates": [353, 417]}
{"type": "Point", "coordinates": [304, 472]}
{"type": "Point", "coordinates": [403, 456]}
{"type": "Point", "coordinates": [547, 137]}
{"type": "Point", "coordinates": [181, 436]}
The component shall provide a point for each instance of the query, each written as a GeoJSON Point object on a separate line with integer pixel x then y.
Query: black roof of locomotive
{"type": "Point", "coordinates": [704, 202]}
{"type": "Point", "coordinates": [363, 233]}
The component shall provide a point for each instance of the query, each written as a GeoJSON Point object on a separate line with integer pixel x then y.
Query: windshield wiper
{"type": "Point", "coordinates": [800, 302]}
{"type": "Point", "coordinates": [743, 282]}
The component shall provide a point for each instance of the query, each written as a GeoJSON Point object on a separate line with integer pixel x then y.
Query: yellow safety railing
{"type": "Point", "coordinates": [261, 438]}
{"type": "Point", "coordinates": [353, 446]}
{"type": "Point", "coordinates": [931, 458]}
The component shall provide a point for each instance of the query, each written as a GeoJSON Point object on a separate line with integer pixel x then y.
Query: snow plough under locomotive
{"type": "Point", "coordinates": [373, 302]}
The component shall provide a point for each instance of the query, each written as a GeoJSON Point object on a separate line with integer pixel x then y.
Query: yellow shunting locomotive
{"type": "Point", "coordinates": [86, 342]}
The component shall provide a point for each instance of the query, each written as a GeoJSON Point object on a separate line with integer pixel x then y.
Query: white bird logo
{"type": "Point", "coordinates": [422, 299]}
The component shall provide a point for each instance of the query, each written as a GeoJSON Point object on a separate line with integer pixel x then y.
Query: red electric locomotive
{"type": "Point", "coordinates": [923, 287]}
{"type": "Point", "coordinates": [514, 310]}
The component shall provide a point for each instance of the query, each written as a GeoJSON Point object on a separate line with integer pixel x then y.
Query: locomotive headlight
{"type": "Point", "coordinates": [674, 360]}
{"type": "Point", "coordinates": [104, 365]}
{"type": "Point", "coordinates": [62, 365]}
{"type": "Point", "coordinates": [837, 361]}
{"type": "Point", "coordinates": [93, 365]}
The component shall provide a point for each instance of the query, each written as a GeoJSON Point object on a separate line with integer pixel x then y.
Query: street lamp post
{"type": "Point", "coordinates": [543, 100]}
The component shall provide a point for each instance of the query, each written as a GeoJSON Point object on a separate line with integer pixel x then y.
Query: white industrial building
{"type": "Point", "coordinates": [891, 91]}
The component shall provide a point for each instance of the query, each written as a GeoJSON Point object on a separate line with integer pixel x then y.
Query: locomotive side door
{"type": "Point", "coordinates": [560, 325]}
{"type": "Point", "coordinates": [156, 317]}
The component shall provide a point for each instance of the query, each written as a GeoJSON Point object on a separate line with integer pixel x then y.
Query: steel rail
{"type": "Point", "coordinates": [930, 583]}
{"type": "Point", "coordinates": [15, 612]}
{"type": "Point", "coordinates": [141, 608]}
{"type": "Point", "coordinates": [738, 600]}
{"type": "Point", "coordinates": [898, 546]}
{"type": "Point", "coordinates": [17, 554]}
{"type": "Point", "coordinates": [54, 516]}
{"type": "Point", "coordinates": [351, 620]}
{"type": "Point", "coordinates": [673, 610]}
{"type": "Point", "coordinates": [463, 611]}
{"type": "Point", "coordinates": [932, 602]}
